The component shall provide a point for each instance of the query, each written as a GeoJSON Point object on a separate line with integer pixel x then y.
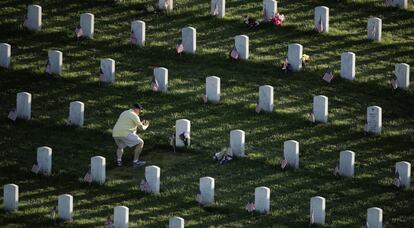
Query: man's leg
{"type": "Point", "coordinates": [138, 150]}
{"type": "Point", "coordinates": [119, 153]}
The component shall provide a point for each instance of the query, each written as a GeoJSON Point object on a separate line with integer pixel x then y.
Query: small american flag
{"type": "Point", "coordinates": [215, 12]}
{"type": "Point", "coordinates": [397, 180]}
{"type": "Point", "coordinates": [185, 136]}
{"type": "Point", "coordinates": [48, 67]}
{"type": "Point", "coordinates": [336, 171]}
{"type": "Point", "coordinates": [144, 186]}
{"type": "Point", "coordinates": [258, 108]}
{"type": "Point", "coordinates": [101, 75]}
{"type": "Point", "coordinates": [285, 65]}
{"type": "Point", "coordinates": [366, 225]}
{"type": "Point", "coordinates": [35, 168]}
{"type": "Point", "coordinates": [133, 38]}
{"type": "Point", "coordinates": [199, 198]}
{"type": "Point", "coordinates": [88, 177]}
{"type": "Point", "coordinates": [109, 224]}
{"type": "Point", "coordinates": [25, 21]}
{"type": "Point", "coordinates": [366, 128]}
{"type": "Point", "coordinates": [12, 115]}
{"type": "Point", "coordinates": [179, 48]}
{"type": "Point", "coordinates": [328, 76]}
{"type": "Point", "coordinates": [172, 141]}
{"type": "Point", "coordinates": [78, 32]}
{"type": "Point", "coordinates": [168, 4]}
{"type": "Point", "coordinates": [394, 83]}
{"type": "Point", "coordinates": [265, 13]}
{"type": "Point", "coordinates": [311, 117]}
{"type": "Point", "coordinates": [154, 85]}
{"type": "Point", "coordinates": [234, 54]}
{"type": "Point", "coordinates": [250, 207]}
{"type": "Point", "coordinates": [320, 27]}
{"type": "Point", "coordinates": [53, 212]}
{"type": "Point", "coordinates": [311, 218]}
{"type": "Point", "coordinates": [283, 164]}
{"type": "Point", "coordinates": [204, 98]}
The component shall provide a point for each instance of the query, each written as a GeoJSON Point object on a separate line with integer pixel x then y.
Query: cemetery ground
{"type": "Point", "coordinates": [347, 199]}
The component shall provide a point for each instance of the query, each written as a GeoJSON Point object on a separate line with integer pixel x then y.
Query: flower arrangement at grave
{"type": "Point", "coordinates": [224, 156]}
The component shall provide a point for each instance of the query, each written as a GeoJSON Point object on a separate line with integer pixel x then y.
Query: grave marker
{"type": "Point", "coordinates": [182, 126]}
{"type": "Point", "coordinates": [346, 163]}
{"type": "Point", "coordinates": [176, 222]}
{"type": "Point", "coordinates": [317, 210]}
{"type": "Point", "coordinates": [213, 88]}
{"type": "Point", "coordinates": [161, 75]}
{"type": "Point", "coordinates": [218, 8]}
{"type": "Point", "coordinates": [34, 18]}
{"type": "Point", "coordinates": [188, 36]}
{"type": "Point", "coordinates": [237, 142]}
{"type": "Point", "coordinates": [269, 9]}
{"type": "Point", "coordinates": [138, 32]}
{"type": "Point", "coordinates": [5, 55]}
{"type": "Point", "coordinates": [76, 113]}
{"type": "Point", "coordinates": [322, 19]}
{"type": "Point", "coordinates": [65, 207]}
{"type": "Point", "coordinates": [98, 169]}
{"type": "Point", "coordinates": [107, 70]}
{"type": "Point", "coordinates": [152, 175]}
{"type": "Point", "coordinates": [291, 153]}
{"type": "Point", "coordinates": [207, 190]}
{"type": "Point", "coordinates": [404, 170]}
{"type": "Point", "coordinates": [320, 108]}
{"type": "Point", "coordinates": [295, 54]}
{"type": "Point", "coordinates": [266, 98]}
{"type": "Point", "coordinates": [374, 120]}
{"type": "Point", "coordinates": [87, 23]}
{"type": "Point", "coordinates": [262, 199]}
{"type": "Point", "coordinates": [11, 197]}
{"type": "Point", "coordinates": [374, 217]}
{"type": "Point", "coordinates": [166, 5]}
{"type": "Point", "coordinates": [241, 42]}
{"type": "Point", "coordinates": [121, 217]}
{"type": "Point", "coordinates": [402, 72]}
{"type": "Point", "coordinates": [374, 29]}
{"type": "Point", "coordinates": [55, 59]}
{"type": "Point", "coordinates": [44, 160]}
{"type": "Point", "coordinates": [348, 65]}
{"type": "Point", "coordinates": [24, 105]}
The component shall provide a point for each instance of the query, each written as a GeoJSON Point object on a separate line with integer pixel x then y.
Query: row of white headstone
{"type": "Point", "coordinates": [295, 53]}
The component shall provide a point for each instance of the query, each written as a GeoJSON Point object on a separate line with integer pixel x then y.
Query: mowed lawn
{"type": "Point", "coordinates": [347, 199]}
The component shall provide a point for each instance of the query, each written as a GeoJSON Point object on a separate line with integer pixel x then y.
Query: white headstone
{"type": "Point", "coordinates": [346, 163]}
{"type": "Point", "coordinates": [44, 160]}
{"type": "Point", "coordinates": [317, 209]}
{"type": "Point", "coordinates": [5, 55]}
{"type": "Point", "coordinates": [218, 8]}
{"type": "Point", "coordinates": [121, 217]}
{"type": "Point", "coordinates": [76, 113]}
{"type": "Point", "coordinates": [374, 217]}
{"type": "Point", "coordinates": [98, 169]}
{"type": "Point", "coordinates": [56, 61]}
{"type": "Point", "coordinates": [152, 175]}
{"type": "Point", "coordinates": [207, 190]}
{"type": "Point", "coordinates": [262, 199]}
{"type": "Point", "coordinates": [295, 54]}
{"type": "Point", "coordinates": [402, 71]}
{"type": "Point", "coordinates": [374, 29]}
{"type": "Point", "coordinates": [402, 4]}
{"type": "Point", "coordinates": [291, 153]}
{"type": "Point", "coordinates": [166, 5]}
{"type": "Point", "coordinates": [241, 42]}
{"type": "Point", "coordinates": [266, 98]}
{"type": "Point", "coordinates": [322, 18]}
{"type": "Point", "coordinates": [87, 23]}
{"type": "Point", "coordinates": [374, 119]}
{"type": "Point", "coordinates": [320, 108]}
{"type": "Point", "coordinates": [188, 36]}
{"type": "Point", "coordinates": [108, 69]}
{"type": "Point", "coordinates": [348, 65]}
{"type": "Point", "coordinates": [182, 126]}
{"type": "Point", "coordinates": [34, 17]}
{"type": "Point", "coordinates": [237, 142]}
{"type": "Point", "coordinates": [11, 197]}
{"type": "Point", "coordinates": [213, 88]}
{"type": "Point", "coordinates": [138, 27]}
{"type": "Point", "coordinates": [161, 75]}
{"type": "Point", "coordinates": [269, 9]}
{"type": "Point", "coordinates": [24, 105]}
{"type": "Point", "coordinates": [65, 207]}
{"type": "Point", "coordinates": [176, 222]}
{"type": "Point", "coordinates": [404, 170]}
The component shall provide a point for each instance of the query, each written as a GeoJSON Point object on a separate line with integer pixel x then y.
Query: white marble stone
{"type": "Point", "coordinates": [295, 54]}
{"type": "Point", "coordinates": [402, 4]}
{"type": "Point", "coordinates": [138, 27]}
{"type": "Point", "coordinates": [176, 222]}
{"type": "Point", "coordinates": [10, 197]}
{"type": "Point", "coordinates": [374, 217]}
{"type": "Point", "coordinates": [348, 65]}
{"type": "Point", "coordinates": [269, 9]}
{"type": "Point", "coordinates": [56, 62]}
{"type": "Point", "coordinates": [34, 17]}
{"type": "Point", "coordinates": [188, 36]}
{"type": "Point", "coordinates": [121, 217]}
{"type": "Point", "coordinates": [320, 108]}
{"type": "Point", "coordinates": [182, 125]}
{"type": "Point", "coordinates": [76, 113]}
{"type": "Point", "coordinates": [241, 42]}
{"type": "Point", "coordinates": [152, 175]}
{"type": "Point", "coordinates": [166, 5]}
{"type": "Point", "coordinates": [404, 170]}
{"type": "Point", "coordinates": [374, 29]}
{"type": "Point", "coordinates": [291, 153]}
{"type": "Point", "coordinates": [108, 69]}
{"type": "Point", "coordinates": [98, 169]}
{"type": "Point", "coordinates": [24, 105]}
{"type": "Point", "coordinates": [262, 199]}
{"type": "Point", "coordinates": [65, 207]}
{"type": "Point", "coordinates": [317, 207]}
{"type": "Point", "coordinates": [322, 18]}
{"type": "Point", "coordinates": [237, 142]}
{"type": "Point", "coordinates": [5, 55]}
{"type": "Point", "coordinates": [213, 88]}
{"type": "Point", "coordinates": [161, 75]}
{"type": "Point", "coordinates": [402, 72]}
{"type": "Point", "coordinates": [347, 163]}
{"type": "Point", "coordinates": [87, 23]}
{"type": "Point", "coordinates": [266, 98]}
{"type": "Point", "coordinates": [374, 119]}
{"type": "Point", "coordinates": [44, 160]}
{"type": "Point", "coordinates": [207, 190]}
{"type": "Point", "coordinates": [219, 7]}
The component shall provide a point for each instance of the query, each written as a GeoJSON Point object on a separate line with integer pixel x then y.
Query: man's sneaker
{"type": "Point", "coordinates": [119, 163]}
{"type": "Point", "coordinates": [138, 163]}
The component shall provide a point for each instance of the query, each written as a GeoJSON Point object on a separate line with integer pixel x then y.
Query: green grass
{"type": "Point", "coordinates": [346, 199]}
